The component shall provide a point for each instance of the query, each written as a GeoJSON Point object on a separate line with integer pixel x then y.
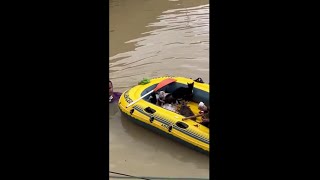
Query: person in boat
{"type": "Point", "coordinates": [203, 108]}
{"type": "Point", "coordinates": [204, 111]}
{"type": "Point", "coordinates": [161, 101]}
{"type": "Point", "coordinates": [158, 99]}
{"type": "Point", "coordinates": [205, 120]}
{"type": "Point", "coordinates": [161, 98]}
{"type": "Point", "coordinates": [113, 96]}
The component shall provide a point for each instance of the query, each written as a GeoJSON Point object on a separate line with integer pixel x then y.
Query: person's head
{"type": "Point", "coordinates": [162, 94]}
{"type": "Point", "coordinates": [202, 107]}
{"type": "Point", "coordinates": [110, 88]}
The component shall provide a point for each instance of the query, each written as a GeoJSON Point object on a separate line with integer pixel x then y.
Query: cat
{"type": "Point", "coordinates": [185, 110]}
{"type": "Point", "coordinates": [181, 93]}
{"type": "Point", "coordinates": [184, 93]}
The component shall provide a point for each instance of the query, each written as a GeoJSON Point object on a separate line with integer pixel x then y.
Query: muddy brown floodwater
{"type": "Point", "coordinates": [150, 38]}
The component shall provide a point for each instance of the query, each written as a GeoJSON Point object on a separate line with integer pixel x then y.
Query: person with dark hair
{"type": "Point", "coordinates": [113, 96]}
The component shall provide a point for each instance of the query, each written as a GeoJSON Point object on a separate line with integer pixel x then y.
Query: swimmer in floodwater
{"type": "Point", "coordinates": [113, 96]}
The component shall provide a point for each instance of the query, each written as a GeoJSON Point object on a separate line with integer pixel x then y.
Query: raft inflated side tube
{"type": "Point", "coordinates": [168, 123]}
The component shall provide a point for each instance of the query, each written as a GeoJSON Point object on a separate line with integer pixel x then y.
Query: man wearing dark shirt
{"type": "Point", "coordinates": [113, 96]}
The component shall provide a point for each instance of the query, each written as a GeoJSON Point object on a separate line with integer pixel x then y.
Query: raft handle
{"type": "Point", "coordinates": [131, 111]}
{"type": "Point", "coordinates": [150, 110]}
{"type": "Point", "coordinates": [199, 80]}
{"type": "Point", "coordinates": [151, 119]}
{"type": "Point", "coordinates": [170, 128]}
{"type": "Point", "coordinates": [182, 125]}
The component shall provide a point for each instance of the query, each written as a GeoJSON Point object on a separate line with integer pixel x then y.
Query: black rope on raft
{"type": "Point", "coordinates": [199, 80]}
{"type": "Point", "coordinates": [128, 175]}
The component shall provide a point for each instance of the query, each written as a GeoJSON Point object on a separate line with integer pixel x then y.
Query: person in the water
{"type": "Point", "coordinates": [113, 96]}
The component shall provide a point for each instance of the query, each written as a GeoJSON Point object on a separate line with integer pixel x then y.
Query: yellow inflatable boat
{"type": "Point", "coordinates": [134, 103]}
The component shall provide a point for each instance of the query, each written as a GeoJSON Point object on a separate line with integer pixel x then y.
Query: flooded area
{"type": "Point", "coordinates": [152, 38]}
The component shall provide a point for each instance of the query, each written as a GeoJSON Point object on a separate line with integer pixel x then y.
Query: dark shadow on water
{"type": "Point", "coordinates": [163, 144]}
{"type": "Point", "coordinates": [113, 109]}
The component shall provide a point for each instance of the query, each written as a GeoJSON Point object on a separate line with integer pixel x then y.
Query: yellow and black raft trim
{"type": "Point", "coordinates": [168, 123]}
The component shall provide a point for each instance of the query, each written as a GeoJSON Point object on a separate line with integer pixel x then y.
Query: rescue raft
{"type": "Point", "coordinates": [163, 121]}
